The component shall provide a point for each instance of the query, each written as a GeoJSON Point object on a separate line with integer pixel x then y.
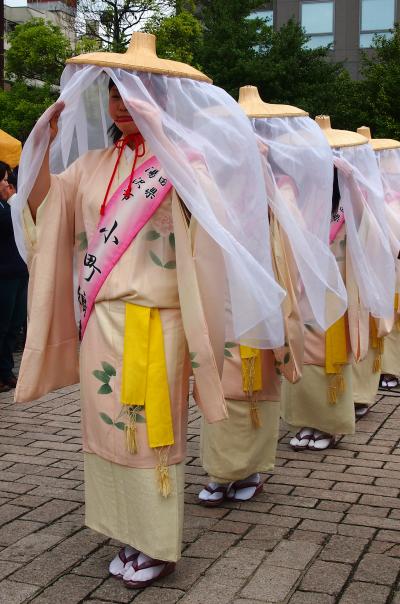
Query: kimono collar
{"type": "Point", "coordinates": [139, 151]}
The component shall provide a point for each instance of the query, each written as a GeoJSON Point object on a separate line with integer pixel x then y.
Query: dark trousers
{"type": "Point", "coordinates": [13, 302]}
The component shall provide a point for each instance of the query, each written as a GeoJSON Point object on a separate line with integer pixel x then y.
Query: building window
{"type": "Point", "coordinates": [317, 20]}
{"type": "Point", "coordinates": [377, 17]}
{"type": "Point", "coordinates": [267, 15]}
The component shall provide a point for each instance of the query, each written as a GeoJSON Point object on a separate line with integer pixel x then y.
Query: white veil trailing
{"type": "Point", "coordinates": [298, 152]}
{"type": "Point", "coordinates": [389, 166]}
{"type": "Point", "coordinates": [368, 235]}
{"type": "Point", "coordinates": [207, 147]}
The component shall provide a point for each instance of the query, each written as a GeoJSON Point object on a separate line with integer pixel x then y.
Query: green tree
{"type": "Point", "coordinates": [230, 42]}
{"type": "Point", "coordinates": [112, 21]}
{"type": "Point", "coordinates": [21, 106]}
{"type": "Point", "coordinates": [380, 87]}
{"type": "Point", "coordinates": [179, 37]}
{"type": "Point", "coordinates": [38, 51]}
{"type": "Point", "coordinates": [286, 71]}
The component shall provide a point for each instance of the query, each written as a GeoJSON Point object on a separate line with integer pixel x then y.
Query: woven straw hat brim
{"type": "Point", "coordinates": [378, 144]}
{"type": "Point", "coordinates": [339, 138]}
{"type": "Point", "coordinates": [141, 56]}
{"type": "Point", "coordinates": [253, 106]}
{"type": "Point", "coordinates": [383, 144]}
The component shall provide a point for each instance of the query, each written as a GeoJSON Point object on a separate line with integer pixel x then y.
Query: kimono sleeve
{"type": "Point", "coordinates": [50, 358]}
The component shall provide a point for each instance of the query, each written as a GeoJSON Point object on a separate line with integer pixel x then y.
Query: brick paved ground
{"type": "Point", "coordinates": [325, 529]}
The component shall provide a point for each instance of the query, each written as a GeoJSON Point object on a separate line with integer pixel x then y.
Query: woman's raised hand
{"type": "Point", "coordinates": [58, 108]}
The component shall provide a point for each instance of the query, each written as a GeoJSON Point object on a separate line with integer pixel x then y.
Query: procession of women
{"type": "Point", "coordinates": [179, 240]}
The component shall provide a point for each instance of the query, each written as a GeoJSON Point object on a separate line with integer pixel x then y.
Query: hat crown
{"type": "Point", "coordinates": [339, 138]}
{"type": "Point", "coordinates": [365, 131]}
{"type": "Point", "coordinates": [142, 44]}
{"type": "Point", "coordinates": [253, 105]}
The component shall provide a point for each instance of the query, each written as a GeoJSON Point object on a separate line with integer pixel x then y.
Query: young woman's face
{"type": "Point", "coordinates": [119, 113]}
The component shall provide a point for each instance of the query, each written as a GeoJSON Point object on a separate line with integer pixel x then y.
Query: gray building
{"type": "Point", "coordinates": [349, 25]}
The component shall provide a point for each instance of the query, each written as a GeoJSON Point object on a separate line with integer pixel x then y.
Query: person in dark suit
{"type": "Point", "coordinates": [13, 282]}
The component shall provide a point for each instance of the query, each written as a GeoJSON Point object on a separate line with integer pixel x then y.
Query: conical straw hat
{"type": "Point", "coordinates": [140, 56]}
{"type": "Point", "coordinates": [378, 144]}
{"type": "Point", "coordinates": [251, 103]}
{"type": "Point", "coordinates": [10, 149]}
{"type": "Point", "coordinates": [339, 138]}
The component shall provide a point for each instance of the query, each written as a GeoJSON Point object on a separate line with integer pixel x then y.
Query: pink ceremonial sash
{"type": "Point", "coordinates": [123, 220]}
{"type": "Point", "coordinates": [336, 224]}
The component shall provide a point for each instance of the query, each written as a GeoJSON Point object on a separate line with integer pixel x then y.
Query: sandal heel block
{"type": "Point", "coordinates": [239, 485]}
{"type": "Point", "coordinates": [169, 568]}
{"type": "Point", "coordinates": [212, 503]}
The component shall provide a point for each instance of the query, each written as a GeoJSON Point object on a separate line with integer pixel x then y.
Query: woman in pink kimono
{"type": "Point", "coordinates": [148, 284]}
{"type": "Point", "coordinates": [321, 405]}
{"type": "Point", "coordinates": [298, 166]}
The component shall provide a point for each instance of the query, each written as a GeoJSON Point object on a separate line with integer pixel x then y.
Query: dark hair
{"type": "Point", "coordinates": [12, 179]}
{"type": "Point", "coordinates": [4, 169]}
{"type": "Point", "coordinates": [335, 192]}
{"type": "Point", "coordinates": [113, 132]}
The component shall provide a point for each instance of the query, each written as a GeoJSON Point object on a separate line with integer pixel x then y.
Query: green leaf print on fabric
{"type": "Point", "coordinates": [155, 258]}
{"type": "Point", "coordinates": [82, 241]}
{"type": "Point", "coordinates": [105, 376]}
{"type": "Point", "coordinates": [104, 389]}
{"type": "Point", "coordinates": [193, 362]}
{"type": "Point", "coordinates": [109, 369]}
{"type": "Point", "coordinates": [171, 240]}
{"type": "Point", "coordinates": [101, 375]}
{"type": "Point", "coordinates": [170, 264]}
{"type": "Point", "coordinates": [106, 418]}
{"type": "Point", "coordinates": [227, 352]}
{"type": "Point", "coordinates": [286, 358]}
{"type": "Point", "coordinates": [152, 235]}
{"type": "Point", "coordinates": [120, 425]}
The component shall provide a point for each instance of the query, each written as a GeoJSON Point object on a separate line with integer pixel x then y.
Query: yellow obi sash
{"type": "Point", "coordinates": [252, 379]}
{"type": "Point", "coordinates": [145, 384]}
{"type": "Point", "coordinates": [335, 357]}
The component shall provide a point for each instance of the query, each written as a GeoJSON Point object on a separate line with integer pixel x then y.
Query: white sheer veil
{"type": "Point", "coordinates": [297, 152]}
{"type": "Point", "coordinates": [368, 235]}
{"type": "Point", "coordinates": [208, 149]}
{"type": "Point", "coordinates": [389, 166]}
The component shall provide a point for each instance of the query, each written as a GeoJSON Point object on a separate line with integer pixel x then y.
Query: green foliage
{"type": "Point", "coordinates": [21, 107]}
{"type": "Point", "coordinates": [118, 18]}
{"type": "Point", "coordinates": [379, 89]}
{"type": "Point", "coordinates": [229, 49]}
{"type": "Point", "coordinates": [38, 51]}
{"type": "Point", "coordinates": [87, 44]}
{"type": "Point", "coordinates": [179, 37]}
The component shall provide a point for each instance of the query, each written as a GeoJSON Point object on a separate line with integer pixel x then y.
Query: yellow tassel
{"type": "Point", "coordinates": [249, 366]}
{"type": "Point", "coordinates": [332, 394]}
{"type": "Point", "coordinates": [255, 415]}
{"type": "Point", "coordinates": [163, 479]}
{"type": "Point", "coordinates": [381, 345]}
{"type": "Point", "coordinates": [376, 367]}
{"type": "Point", "coordinates": [341, 386]}
{"type": "Point", "coordinates": [397, 323]}
{"type": "Point", "coordinates": [130, 431]}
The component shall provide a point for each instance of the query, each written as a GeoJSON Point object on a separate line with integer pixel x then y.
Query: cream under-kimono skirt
{"type": "Point", "coordinates": [234, 449]}
{"type": "Point", "coordinates": [365, 380]}
{"type": "Point", "coordinates": [391, 353]}
{"type": "Point", "coordinates": [306, 403]}
{"type": "Point", "coordinates": [123, 501]}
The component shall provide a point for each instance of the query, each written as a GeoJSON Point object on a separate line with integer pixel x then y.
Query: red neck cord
{"type": "Point", "coordinates": [139, 151]}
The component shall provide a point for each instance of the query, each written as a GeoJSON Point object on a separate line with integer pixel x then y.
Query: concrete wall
{"type": "Point", "coordinates": [346, 28]}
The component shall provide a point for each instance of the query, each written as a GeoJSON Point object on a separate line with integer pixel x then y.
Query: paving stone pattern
{"type": "Point", "coordinates": [326, 528]}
